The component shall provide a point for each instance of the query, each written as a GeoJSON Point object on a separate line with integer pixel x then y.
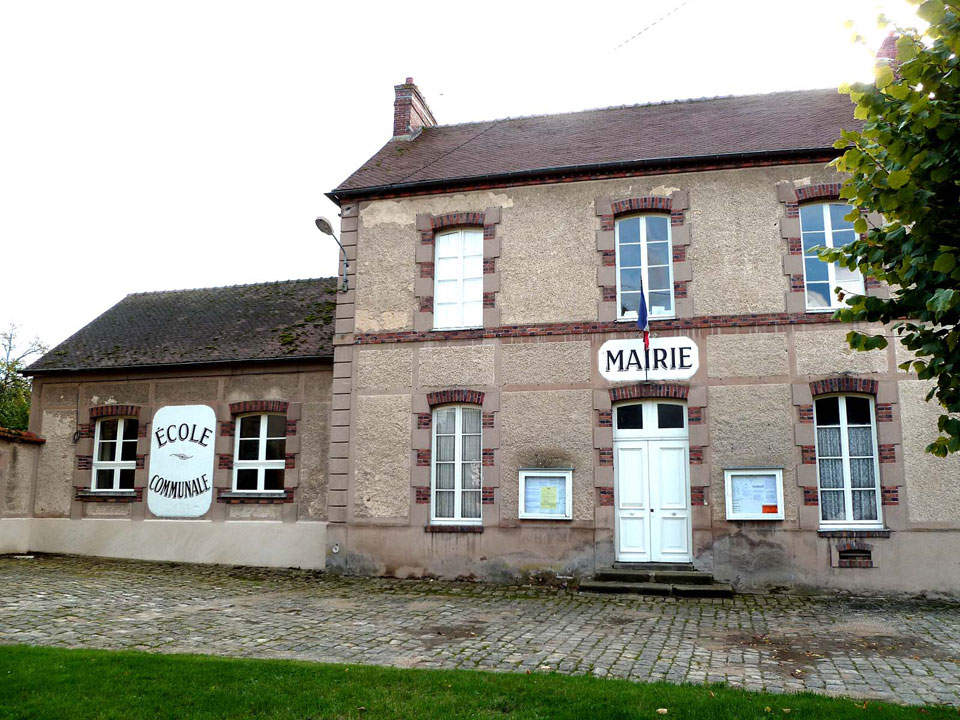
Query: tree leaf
{"type": "Point", "coordinates": [884, 76]}
{"type": "Point", "coordinates": [898, 178]}
{"type": "Point", "coordinates": [945, 263]}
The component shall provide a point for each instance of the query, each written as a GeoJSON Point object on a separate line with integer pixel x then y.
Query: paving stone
{"type": "Point", "coordinates": [889, 649]}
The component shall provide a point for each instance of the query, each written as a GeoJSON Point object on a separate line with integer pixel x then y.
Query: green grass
{"type": "Point", "coordinates": [52, 683]}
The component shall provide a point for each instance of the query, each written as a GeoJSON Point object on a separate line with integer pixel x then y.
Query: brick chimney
{"type": "Point", "coordinates": [410, 111]}
{"type": "Point", "coordinates": [887, 54]}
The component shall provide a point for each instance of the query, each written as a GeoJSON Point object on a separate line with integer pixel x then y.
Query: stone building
{"type": "Point", "coordinates": [257, 357]}
{"type": "Point", "coordinates": [496, 413]}
{"type": "Point", "coordinates": [480, 400]}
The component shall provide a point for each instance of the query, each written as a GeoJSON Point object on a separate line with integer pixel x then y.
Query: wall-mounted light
{"type": "Point", "coordinates": [324, 226]}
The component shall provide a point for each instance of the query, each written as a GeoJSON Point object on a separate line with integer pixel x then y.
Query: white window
{"type": "Point", "coordinates": [260, 453]}
{"type": "Point", "coordinates": [823, 225]}
{"type": "Point", "coordinates": [456, 466]}
{"type": "Point", "coordinates": [847, 461]}
{"type": "Point", "coordinates": [115, 454]}
{"type": "Point", "coordinates": [546, 494]}
{"type": "Point", "coordinates": [458, 279]}
{"type": "Point", "coordinates": [644, 259]}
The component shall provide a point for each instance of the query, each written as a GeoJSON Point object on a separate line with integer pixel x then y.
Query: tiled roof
{"type": "Point", "coordinates": [725, 126]}
{"type": "Point", "coordinates": [267, 321]}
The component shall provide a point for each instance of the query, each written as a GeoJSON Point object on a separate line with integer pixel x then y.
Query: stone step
{"type": "Point", "coordinates": [653, 566]}
{"type": "Point", "coordinates": [660, 575]}
{"type": "Point", "coordinates": [714, 590]}
{"type": "Point", "coordinates": [632, 588]}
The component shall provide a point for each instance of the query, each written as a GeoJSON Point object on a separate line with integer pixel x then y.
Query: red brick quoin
{"type": "Point", "coordinates": [606, 496]}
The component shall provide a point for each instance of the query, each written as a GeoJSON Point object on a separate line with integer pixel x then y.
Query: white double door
{"type": "Point", "coordinates": [652, 494]}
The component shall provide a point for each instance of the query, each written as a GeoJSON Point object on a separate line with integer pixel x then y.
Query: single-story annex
{"type": "Point", "coordinates": [480, 401]}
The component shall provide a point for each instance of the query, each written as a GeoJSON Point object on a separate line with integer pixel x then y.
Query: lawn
{"type": "Point", "coordinates": [53, 683]}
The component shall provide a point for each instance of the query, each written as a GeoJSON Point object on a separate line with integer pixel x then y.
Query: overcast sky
{"type": "Point", "coordinates": [164, 145]}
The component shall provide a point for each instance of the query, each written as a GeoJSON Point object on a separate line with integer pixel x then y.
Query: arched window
{"type": "Point", "coordinates": [823, 225]}
{"type": "Point", "coordinates": [260, 453]}
{"type": "Point", "coordinates": [847, 462]}
{"type": "Point", "coordinates": [644, 259]}
{"type": "Point", "coordinates": [456, 465]}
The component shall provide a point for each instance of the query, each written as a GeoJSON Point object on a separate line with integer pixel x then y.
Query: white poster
{"type": "Point", "coordinates": [669, 358]}
{"type": "Point", "coordinates": [182, 442]}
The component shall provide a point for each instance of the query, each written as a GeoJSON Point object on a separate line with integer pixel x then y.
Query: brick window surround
{"type": "Point", "coordinates": [422, 450]}
{"type": "Point", "coordinates": [649, 390]}
{"type": "Point", "coordinates": [84, 462]}
{"type": "Point", "coordinates": [428, 226]}
{"type": "Point", "coordinates": [887, 428]}
{"type": "Point", "coordinates": [228, 428]}
{"type": "Point", "coordinates": [791, 195]}
{"type": "Point", "coordinates": [608, 209]}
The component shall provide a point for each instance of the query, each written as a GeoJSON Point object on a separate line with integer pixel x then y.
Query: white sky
{"type": "Point", "coordinates": [164, 145]}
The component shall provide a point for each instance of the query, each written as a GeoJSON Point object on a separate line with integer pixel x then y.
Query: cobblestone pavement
{"type": "Point", "coordinates": [896, 650]}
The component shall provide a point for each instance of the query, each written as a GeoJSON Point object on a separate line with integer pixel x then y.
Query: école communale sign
{"type": "Point", "coordinates": [181, 461]}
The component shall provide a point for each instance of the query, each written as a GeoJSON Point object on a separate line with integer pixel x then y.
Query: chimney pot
{"type": "Point", "coordinates": [409, 81]}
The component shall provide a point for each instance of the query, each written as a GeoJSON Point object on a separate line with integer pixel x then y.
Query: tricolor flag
{"type": "Point", "coordinates": [643, 322]}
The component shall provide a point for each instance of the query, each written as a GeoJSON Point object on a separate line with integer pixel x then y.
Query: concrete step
{"type": "Point", "coordinates": [632, 588]}
{"type": "Point", "coordinates": [714, 590]}
{"type": "Point", "coordinates": [621, 575]}
{"type": "Point", "coordinates": [652, 567]}
{"type": "Point", "coordinates": [658, 575]}
{"type": "Point", "coordinates": [683, 577]}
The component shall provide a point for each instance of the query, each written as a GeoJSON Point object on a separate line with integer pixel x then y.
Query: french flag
{"type": "Point", "coordinates": [643, 322]}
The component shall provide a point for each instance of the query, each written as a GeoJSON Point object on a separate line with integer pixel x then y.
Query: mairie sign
{"type": "Point", "coordinates": [181, 461]}
{"type": "Point", "coordinates": [670, 358]}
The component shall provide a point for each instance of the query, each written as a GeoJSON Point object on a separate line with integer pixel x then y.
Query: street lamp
{"type": "Point", "coordinates": [324, 226]}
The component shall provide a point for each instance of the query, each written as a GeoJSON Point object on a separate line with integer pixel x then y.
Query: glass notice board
{"type": "Point", "coordinates": [754, 493]}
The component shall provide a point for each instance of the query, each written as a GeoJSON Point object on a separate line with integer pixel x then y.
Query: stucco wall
{"type": "Point", "coordinates": [548, 262]}
{"type": "Point", "coordinates": [385, 368]}
{"type": "Point", "coordinates": [382, 447]}
{"type": "Point", "coordinates": [754, 355]}
{"type": "Point", "coordinates": [751, 426]}
{"type": "Point", "coordinates": [18, 465]}
{"type": "Point", "coordinates": [547, 429]}
{"type": "Point", "coordinates": [933, 484]}
{"type": "Point", "coordinates": [314, 431]}
{"type": "Point", "coordinates": [457, 365]}
{"type": "Point", "coordinates": [545, 363]}
{"type": "Point", "coordinates": [825, 351]}
{"type": "Point", "coordinates": [57, 459]}
{"type": "Point", "coordinates": [65, 405]}
{"type": "Point", "coordinates": [385, 255]}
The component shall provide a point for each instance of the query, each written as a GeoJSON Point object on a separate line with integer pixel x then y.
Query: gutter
{"type": "Point", "coordinates": [40, 372]}
{"type": "Point", "coordinates": [559, 172]}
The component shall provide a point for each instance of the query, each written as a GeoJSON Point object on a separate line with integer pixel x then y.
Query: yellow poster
{"type": "Point", "coordinates": [548, 497]}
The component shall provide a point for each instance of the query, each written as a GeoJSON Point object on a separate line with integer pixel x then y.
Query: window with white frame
{"type": "Point", "coordinates": [847, 462]}
{"type": "Point", "coordinates": [115, 454]}
{"type": "Point", "coordinates": [823, 225]}
{"type": "Point", "coordinates": [456, 465]}
{"type": "Point", "coordinates": [458, 279]}
{"type": "Point", "coordinates": [644, 259]}
{"type": "Point", "coordinates": [260, 453]}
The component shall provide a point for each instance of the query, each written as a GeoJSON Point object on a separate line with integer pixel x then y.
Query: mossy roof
{"type": "Point", "coordinates": [286, 320]}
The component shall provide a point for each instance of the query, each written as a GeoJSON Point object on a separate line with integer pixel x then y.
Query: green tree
{"type": "Point", "coordinates": [905, 177]}
{"type": "Point", "coordinates": [14, 387]}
